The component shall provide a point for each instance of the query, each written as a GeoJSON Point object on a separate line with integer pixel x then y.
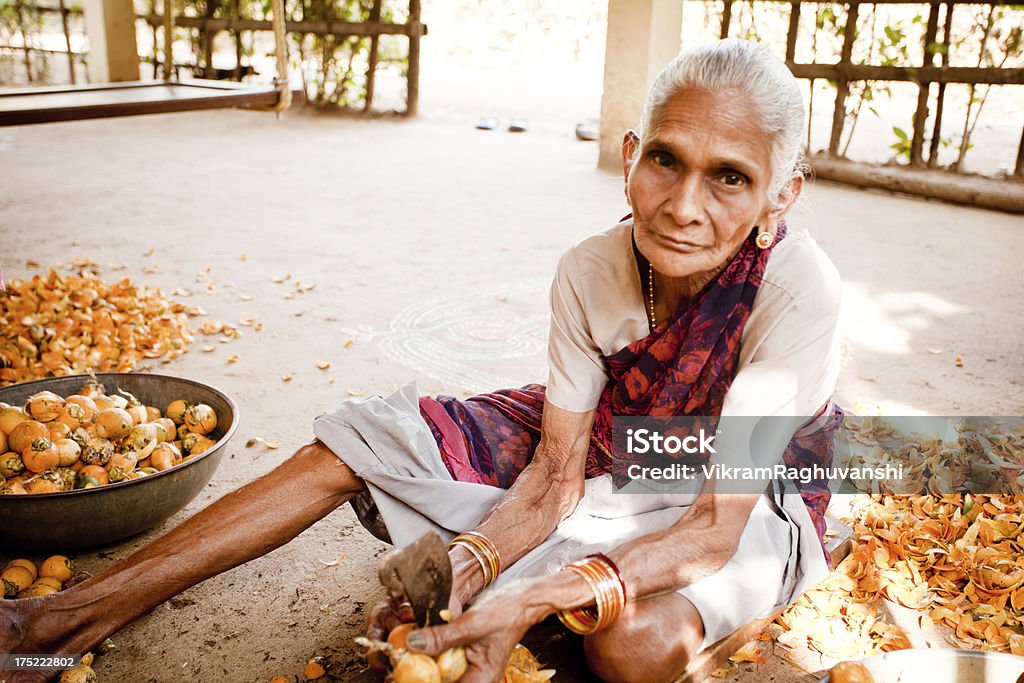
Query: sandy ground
{"type": "Point", "coordinates": [431, 245]}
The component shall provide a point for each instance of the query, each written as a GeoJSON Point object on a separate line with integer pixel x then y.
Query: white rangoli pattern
{"type": "Point", "coordinates": [487, 339]}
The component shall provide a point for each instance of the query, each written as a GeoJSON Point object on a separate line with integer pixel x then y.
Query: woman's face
{"type": "Point", "coordinates": [699, 184]}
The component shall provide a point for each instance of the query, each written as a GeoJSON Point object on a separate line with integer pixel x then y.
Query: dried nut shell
{"type": "Point", "coordinates": [113, 423]}
{"type": "Point", "coordinates": [86, 404]}
{"type": "Point", "coordinates": [40, 456]}
{"type": "Point", "coordinates": [452, 664]}
{"type": "Point", "coordinates": [47, 482]}
{"type": "Point", "coordinates": [201, 445]}
{"type": "Point", "coordinates": [80, 674]}
{"type": "Point", "coordinates": [98, 474]}
{"type": "Point", "coordinates": [44, 406]}
{"type": "Point", "coordinates": [200, 419]}
{"type": "Point", "coordinates": [416, 668]}
{"type": "Point", "coordinates": [68, 451]}
{"type": "Point", "coordinates": [97, 451]}
{"type": "Point", "coordinates": [176, 411]}
{"type": "Point", "coordinates": [24, 434]}
{"type": "Point", "coordinates": [164, 456]}
{"type": "Point", "coordinates": [850, 672]}
{"type": "Point", "coordinates": [27, 564]}
{"type": "Point", "coordinates": [11, 465]}
{"type": "Point", "coordinates": [38, 590]}
{"type": "Point", "coordinates": [10, 417]}
{"type": "Point", "coordinates": [15, 579]}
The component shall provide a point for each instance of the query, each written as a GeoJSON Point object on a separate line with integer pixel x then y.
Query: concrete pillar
{"type": "Point", "coordinates": [643, 36]}
{"type": "Point", "coordinates": [110, 27]}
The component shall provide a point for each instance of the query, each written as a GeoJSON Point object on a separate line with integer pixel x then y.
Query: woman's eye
{"type": "Point", "coordinates": [733, 179]}
{"type": "Point", "coordinates": [662, 159]}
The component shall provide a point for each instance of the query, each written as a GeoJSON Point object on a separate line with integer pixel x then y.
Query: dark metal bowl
{"type": "Point", "coordinates": [72, 520]}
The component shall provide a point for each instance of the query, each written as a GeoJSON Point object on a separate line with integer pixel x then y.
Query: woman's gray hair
{"type": "Point", "coordinates": [753, 70]}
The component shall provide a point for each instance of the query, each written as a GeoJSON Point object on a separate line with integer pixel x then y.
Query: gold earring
{"type": "Point", "coordinates": [764, 239]}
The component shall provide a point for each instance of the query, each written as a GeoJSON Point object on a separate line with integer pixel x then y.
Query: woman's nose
{"type": "Point", "coordinates": [686, 204]}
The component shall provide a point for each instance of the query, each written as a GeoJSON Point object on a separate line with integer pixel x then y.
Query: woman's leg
{"type": "Point", "coordinates": [245, 524]}
{"type": "Point", "coordinates": [653, 640]}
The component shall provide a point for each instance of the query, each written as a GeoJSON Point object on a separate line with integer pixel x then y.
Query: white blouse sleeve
{"type": "Point", "coordinates": [576, 373]}
{"type": "Point", "coordinates": [795, 367]}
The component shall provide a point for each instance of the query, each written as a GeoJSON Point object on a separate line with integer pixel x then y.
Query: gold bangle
{"type": "Point", "coordinates": [610, 592]}
{"type": "Point", "coordinates": [485, 566]}
{"type": "Point", "coordinates": [583, 620]}
{"type": "Point", "coordinates": [485, 552]}
{"type": "Point", "coordinates": [613, 568]}
{"type": "Point", "coordinates": [482, 554]}
{"type": "Point", "coordinates": [487, 547]}
{"type": "Point", "coordinates": [611, 583]}
{"type": "Point", "coordinates": [605, 581]}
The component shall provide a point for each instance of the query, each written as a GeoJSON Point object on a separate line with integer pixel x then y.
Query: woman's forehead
{"type": "Point", "coordinates": [721, 123]}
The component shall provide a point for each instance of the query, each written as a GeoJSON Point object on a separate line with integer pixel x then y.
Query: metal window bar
{"type": "Point", "coordinates": [844, 72]}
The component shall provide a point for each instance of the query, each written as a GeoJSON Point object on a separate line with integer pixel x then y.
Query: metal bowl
{"type": "Point", "coordinates": [72, 520]}
{"type": "Point", "coordinates": [944, 665]}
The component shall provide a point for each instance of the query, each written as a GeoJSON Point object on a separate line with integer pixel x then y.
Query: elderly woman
{"type": "Point", "coordinates": [701, 303]}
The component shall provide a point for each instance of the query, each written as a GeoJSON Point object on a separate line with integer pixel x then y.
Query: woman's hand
{"type": "Point", "coordinates": [384, 617]}
{"type": "Point", "coordinates": [388, 614]}
{"type": "Point", "coordinates": [489, 630]}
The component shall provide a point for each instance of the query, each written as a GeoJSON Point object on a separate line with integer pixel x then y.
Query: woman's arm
{"type": "Point", "coordinates": [698, 545]}
{"type": "Point", "coordinates": [544, 494]}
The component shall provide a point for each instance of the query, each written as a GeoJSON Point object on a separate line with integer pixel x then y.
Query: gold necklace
{"type": "Point", "coordinates": [650, 295]}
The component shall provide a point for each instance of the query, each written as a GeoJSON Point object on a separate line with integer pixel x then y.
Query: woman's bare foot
{"type": "Point", "coordinates": [243, 525]}
{"type": "Point", "coordinates": [31, 626]}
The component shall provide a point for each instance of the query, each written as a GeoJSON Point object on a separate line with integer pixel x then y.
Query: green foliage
{"type": "Point", "coordinates": [902, 145]}
{"type": "Point", "coordinates": [333, 78]}
{"type": "Point", "coordinates": [825, 17]}
{"type": "Point", "coordinates": [22, 23]}
{"type": "Point", "coordinates": [334, 67]}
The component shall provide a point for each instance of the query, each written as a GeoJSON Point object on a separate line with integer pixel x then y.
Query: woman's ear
{"type": "Point", "coordinates": [630, 144]}
{"type": "Point", "coordinates": [787, 198]}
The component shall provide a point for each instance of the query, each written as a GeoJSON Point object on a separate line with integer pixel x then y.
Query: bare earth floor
{"type": "Point", "coordinates": [431, 245]}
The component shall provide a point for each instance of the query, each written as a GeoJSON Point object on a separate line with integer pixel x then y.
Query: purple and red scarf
{"type": "Point", "coordinates": [684, 367]}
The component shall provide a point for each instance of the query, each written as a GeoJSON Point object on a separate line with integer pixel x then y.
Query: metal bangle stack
{"type": "Point", "coordinates": [604, 579]}
{"type": "Point", "coordinates": [485, 552]}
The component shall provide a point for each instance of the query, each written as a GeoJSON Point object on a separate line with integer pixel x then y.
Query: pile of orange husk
{"type": "Point", "coordinates": [957, 558]}
{"type": "Point", "coordinates": [54, 325]}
